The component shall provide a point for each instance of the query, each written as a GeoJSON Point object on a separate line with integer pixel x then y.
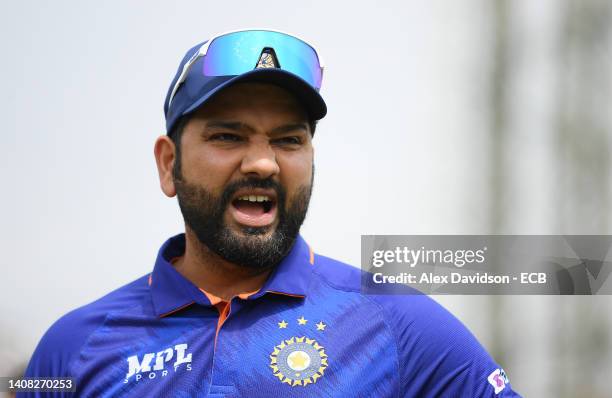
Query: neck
{"type": "Point", "coordinates": [211, 273]}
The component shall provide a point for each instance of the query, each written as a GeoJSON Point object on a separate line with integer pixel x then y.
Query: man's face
{"type": "Point", "coordinates": [245, 174]}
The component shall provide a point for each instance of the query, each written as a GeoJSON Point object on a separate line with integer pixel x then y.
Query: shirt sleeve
{"type": "Point", "coordinates": [438, 355]}
{"type": "Point", "coordinates": [56, 351]}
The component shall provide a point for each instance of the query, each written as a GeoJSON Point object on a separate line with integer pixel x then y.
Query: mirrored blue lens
{"type": "Point", "coordinates": [239, 52]}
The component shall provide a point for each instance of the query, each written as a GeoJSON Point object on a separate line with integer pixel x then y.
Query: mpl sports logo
{"type": "Point", "coordinates": [498, 380]}
{"type": "Point", "coordinates": [140, 368]}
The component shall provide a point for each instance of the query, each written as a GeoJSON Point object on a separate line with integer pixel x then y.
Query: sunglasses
{"type": "Point", "coordinates": [235, 53]}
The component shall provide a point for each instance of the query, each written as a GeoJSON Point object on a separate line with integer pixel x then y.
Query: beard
{"type": "Point", "coordinates": [255, 248]}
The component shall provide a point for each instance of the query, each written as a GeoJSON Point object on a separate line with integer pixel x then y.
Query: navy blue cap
{"type": "Point", "coordinates": [197, 89]}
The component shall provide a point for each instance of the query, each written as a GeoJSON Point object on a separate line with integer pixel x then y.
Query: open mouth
{"type": "Point", "coordinates": [254, 209]}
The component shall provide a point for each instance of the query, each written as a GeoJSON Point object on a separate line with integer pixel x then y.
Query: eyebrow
{"type": "Point", "coordinates": [235, 126]}
{"type": "Point", "coordinates": [239, 126]}
{"type": "Point", "coordinates": [289, 127]}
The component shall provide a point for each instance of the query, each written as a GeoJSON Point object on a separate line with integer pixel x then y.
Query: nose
{"type": "Point", "coordinates": [260, 160]}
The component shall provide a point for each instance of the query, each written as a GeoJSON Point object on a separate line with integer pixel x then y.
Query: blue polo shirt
{"type": "Point", "coordinates": [308, 332]}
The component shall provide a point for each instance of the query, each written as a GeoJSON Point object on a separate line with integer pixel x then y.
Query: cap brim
{"type": "Point", "coordinates": [305, 93]}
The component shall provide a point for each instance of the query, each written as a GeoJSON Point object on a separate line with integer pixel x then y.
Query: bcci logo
{"type": "Point", "coordinates": [298, 361]}
{"type": "Point", "coordinates": [267, 59]}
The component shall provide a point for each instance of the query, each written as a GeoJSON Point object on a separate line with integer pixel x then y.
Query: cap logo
{"type": "Point", "coordinates": [267, 59]}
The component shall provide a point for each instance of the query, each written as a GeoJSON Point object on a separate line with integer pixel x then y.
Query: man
{"type": "Point", "coordinates": [240, 305]}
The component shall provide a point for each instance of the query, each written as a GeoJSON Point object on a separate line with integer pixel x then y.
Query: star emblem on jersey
{"type": "Point", "coordinates": [298, 361]}
{"type": "Point", "coordinates": [302, 322]}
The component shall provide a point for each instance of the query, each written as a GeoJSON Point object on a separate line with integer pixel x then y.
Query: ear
{"type": "Point", "coordinates": [165, 153]}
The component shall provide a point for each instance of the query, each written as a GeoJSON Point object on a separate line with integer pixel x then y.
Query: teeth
{"type": "Point", "coordinates": [255, 198]}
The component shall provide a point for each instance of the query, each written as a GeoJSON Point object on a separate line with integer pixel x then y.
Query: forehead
{"type": "Point", "coordinates": [253, 99]}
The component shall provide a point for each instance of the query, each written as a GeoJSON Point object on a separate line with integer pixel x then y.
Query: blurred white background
{"type": "Point", "coordinates": [445, 117]}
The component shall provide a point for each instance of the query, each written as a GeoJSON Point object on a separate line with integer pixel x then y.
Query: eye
{"type": "Point", "coordinates": [225, 137]}
{"type": "Point", "coordinates": [289, 140]}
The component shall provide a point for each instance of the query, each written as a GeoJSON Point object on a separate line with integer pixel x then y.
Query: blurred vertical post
{"type": "Point", "coordinates": [583, 184]}
{"type": "Point", "coordinates": [498, 124]}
